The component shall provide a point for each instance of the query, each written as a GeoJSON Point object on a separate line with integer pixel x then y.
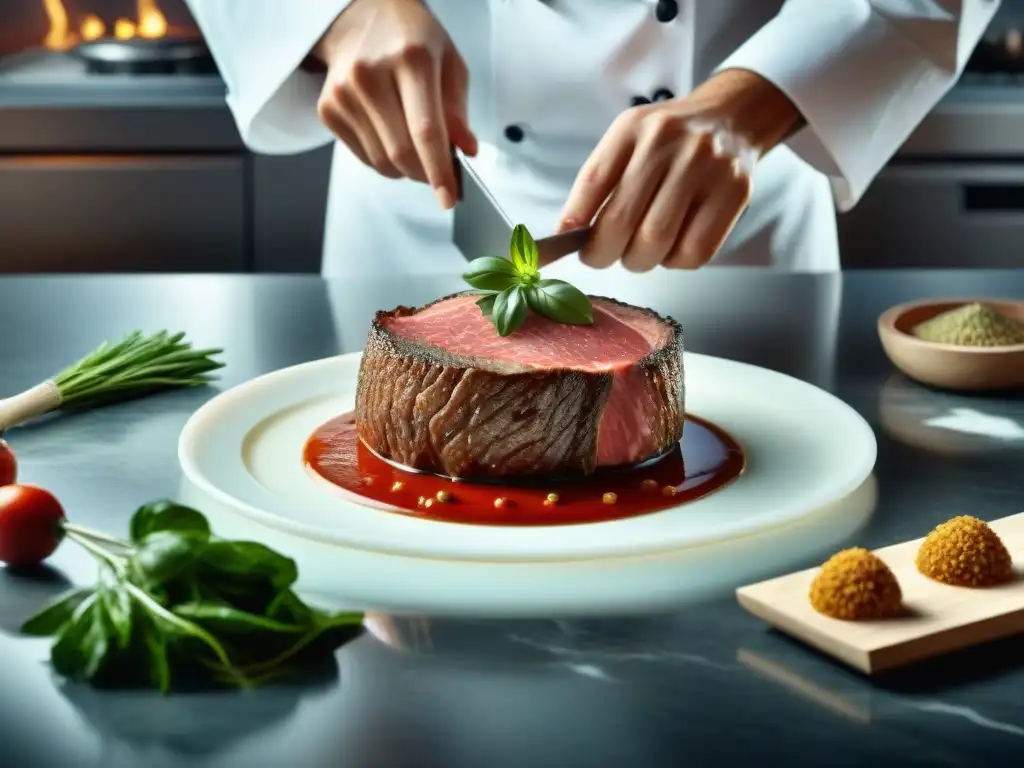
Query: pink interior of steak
{"type": "Point", "coordinates": [619, 338]}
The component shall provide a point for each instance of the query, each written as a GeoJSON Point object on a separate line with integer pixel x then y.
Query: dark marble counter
{"type": "Point", "coordinates": [708, 686]}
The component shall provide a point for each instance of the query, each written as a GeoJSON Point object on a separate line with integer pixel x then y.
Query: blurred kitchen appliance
{"type": "Point", "coordinates": [144, 57]}
{"type": "Point", "coordinates": [1000, 55]}
{"type": "Point", "coordinates": [954, 194]}
{"type": "Point", "coordinates": [144, 36]}
{"type": "Point", "coordinates": [118, 151]}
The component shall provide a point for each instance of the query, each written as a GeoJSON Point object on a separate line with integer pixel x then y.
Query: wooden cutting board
{"type": "Point", "coordinates": [940, 618]}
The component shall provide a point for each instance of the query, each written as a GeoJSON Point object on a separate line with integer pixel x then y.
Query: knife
{"type": "Point", "coordinates": [483, 229]}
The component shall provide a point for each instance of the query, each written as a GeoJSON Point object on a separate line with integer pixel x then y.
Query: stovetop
{"type": "Point", "coordinates": [983, 115]}
{"type": "Point", "coordinates": [46, 79]}
{"type": "Point", "coordinates": [54, 79]}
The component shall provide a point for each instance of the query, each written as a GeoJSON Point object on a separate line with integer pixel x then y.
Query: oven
{"type": "Point", "coordinates": [118, 152]}
{"type": "Point", "coordinates": [954, 194]}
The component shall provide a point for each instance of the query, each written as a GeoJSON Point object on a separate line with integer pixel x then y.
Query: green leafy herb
{"type": "Point", "coordinates": [486, 304]}
{"type": "Point", "coordinates": [117, 603]}
{"type": "Point", "coordinates": [251, 562]}
{"type": "Point", "coordinates": [509, 310]}
{"type": "Point", "coordinates": [57, 613]}
{"type": "Point", "coordinates": [561, 301]}
{"type": "Point", "coordinates": [158, 662]}
{"type": "Point", "coordinates": [83, 642]}
{"type": "Point", "coordinates": [524, 252]}
{"type": "Point", "coordinates": [166, 516]}
{"type": "Point", "coordinates": [492, 274]}
{"type": "Point", "coordinates": [175, 603]}
{"type": "Point", "coordinates": [135, 366]}
{"type": "Point", "coordinates": [231, 620]}
{"type": "Point", "coordinates": [514, 285]}
{"type": "Point", "coordinates": [163, 555]}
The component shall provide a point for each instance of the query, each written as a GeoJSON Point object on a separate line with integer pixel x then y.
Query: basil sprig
{"type": "Point", "coordinates": [514, 285]}
{"type": "Point", "coordinates": [177, 606]}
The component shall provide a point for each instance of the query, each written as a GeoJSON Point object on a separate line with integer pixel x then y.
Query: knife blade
{"type": "Point", "coordinates": [482, 228]}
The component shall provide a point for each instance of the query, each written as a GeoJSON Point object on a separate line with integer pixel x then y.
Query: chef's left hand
{"type": "Point", "coordinates": [674, 176]}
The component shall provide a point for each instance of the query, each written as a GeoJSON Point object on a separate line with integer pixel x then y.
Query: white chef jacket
{"type": "Point", "coordinates": [862, 72]}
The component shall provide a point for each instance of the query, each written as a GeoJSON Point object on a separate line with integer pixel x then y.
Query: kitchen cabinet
{"type": "Point", "coordinates": [96, 213]}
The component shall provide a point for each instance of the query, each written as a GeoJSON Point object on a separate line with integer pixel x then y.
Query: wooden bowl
{"type": "Point", "coordinates": [947, 365]}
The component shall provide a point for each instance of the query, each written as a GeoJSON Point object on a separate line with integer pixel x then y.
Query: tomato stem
{"type": "Point", "coordinates": [95, 550]}
{"type": "Point", "coordinates": [72, 528]}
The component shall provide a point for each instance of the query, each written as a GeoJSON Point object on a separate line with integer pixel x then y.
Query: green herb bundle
{"type": "Point", "coordinates": [514, 285]}
{"type": "Point", "coordinates": [134, 365]}
{"type": "Point", "coordinates": [137, 365]}
{"type": "Point", "coordinates": [178, 605]}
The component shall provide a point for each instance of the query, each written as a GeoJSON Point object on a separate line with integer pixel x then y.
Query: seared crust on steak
{"type": "Point", "coordinates": [424, 407]}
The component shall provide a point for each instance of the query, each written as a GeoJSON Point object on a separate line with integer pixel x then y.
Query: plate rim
{"type": "Point", "coordinates": [190, 466]}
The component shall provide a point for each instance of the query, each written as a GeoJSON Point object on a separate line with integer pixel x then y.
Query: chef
{"type": "Point", "coordinates": [685, 131]}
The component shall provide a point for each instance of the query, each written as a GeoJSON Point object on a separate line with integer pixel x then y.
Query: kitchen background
{"type": "Point", "coordinates": [118, 153]}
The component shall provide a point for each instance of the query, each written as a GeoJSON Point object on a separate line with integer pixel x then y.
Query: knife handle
{"type": "Point", "coordinates": [550, 249]}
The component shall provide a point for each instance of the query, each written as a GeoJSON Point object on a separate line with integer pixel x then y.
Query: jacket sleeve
{"type": "Point", "coordinates": [864, 73]}
{"type": "Point", "coordinates": [258, 46]}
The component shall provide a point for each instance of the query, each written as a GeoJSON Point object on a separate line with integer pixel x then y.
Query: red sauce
{"type": "Point", "coordinates": [706, 460]}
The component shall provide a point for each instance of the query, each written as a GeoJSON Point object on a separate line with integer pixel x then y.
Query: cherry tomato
{"type": "Point", "coordinates": [30, 525]}
{"type": "Point", "coordinates": [8, 464]}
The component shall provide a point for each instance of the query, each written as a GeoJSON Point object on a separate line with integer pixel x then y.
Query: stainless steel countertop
{"type": "Point", "coordinates": [709, 686]}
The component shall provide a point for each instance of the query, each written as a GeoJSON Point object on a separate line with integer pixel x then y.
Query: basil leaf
{"type": "Point", "coordinates": [181, 601]}
{"type": "Point", "coordinates": [486, 304]}
{"type": "Point", "coordinates": [162, 555]}
{"type": "Point", "coordinates": [158, 662]}
{"type": "Point", "coordinates": [223, 618]}
{"type": "Point", "coordinates": [56, 613]}
{"type": "Point", "coordinates": [523, 250]}
{"type": "Point", "coordinates": [67, 655]}
{"type": "Point", "coordinates": [83, 644]}
{"type": "Point", "coordinates": [96, 645]}
{"type": "Point", "coordinates": [167, 516]}
{"type": "Point", "coordinates": [288, 608]}
{"type": "Point", "coordinates": [174, 627]}
{"type": "Point", "coordinates": [491, 274]}
{"type": "Point", "coordinates": [509, 311]}
{"type": "Point", "coordinates": [118, 605]}
{"type": "Point", "coordinates": [252, 561]}
{"type": "Point", "coordinates": [559, 301]}
{"type": "Point", "coordinates": [336, 620]}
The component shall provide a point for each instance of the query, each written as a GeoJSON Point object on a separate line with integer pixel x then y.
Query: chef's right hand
{"type": "Point", "coordinates": [396, 92]}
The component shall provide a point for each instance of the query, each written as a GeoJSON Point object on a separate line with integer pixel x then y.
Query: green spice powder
{"type": "Point", "coordinates": [972, 325]}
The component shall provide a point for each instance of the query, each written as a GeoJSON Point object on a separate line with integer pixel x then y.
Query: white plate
{"type": "Point", "coordinates": [807, 451]}
{"type": "Point", "coordinates": [372, 581]}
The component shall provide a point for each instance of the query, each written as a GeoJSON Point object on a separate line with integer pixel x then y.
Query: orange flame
{"type": "Point", "coordinates": [92, 28]}
{"type": "Point", "coordinates": [59, 37]}
{"type": "Point", "coordinates": [150, 23]}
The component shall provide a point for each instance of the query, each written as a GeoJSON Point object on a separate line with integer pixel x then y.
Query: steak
{"type": "Point", "coordinates": [440, 391]}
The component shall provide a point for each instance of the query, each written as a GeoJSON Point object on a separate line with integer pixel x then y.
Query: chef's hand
{"type": "Point", "coordinates": [674, 176]}
{"type": "Point", "coordinates": [396, 92]}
